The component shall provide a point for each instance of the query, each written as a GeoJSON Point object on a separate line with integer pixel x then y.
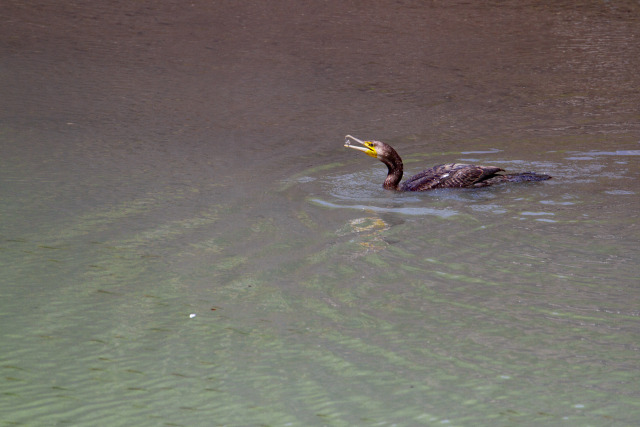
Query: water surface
{"type": "Point", "coordinates": [185, 241]}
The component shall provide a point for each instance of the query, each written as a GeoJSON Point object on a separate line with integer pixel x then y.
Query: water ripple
{"type": "Point", "coordinates": [443, 213]}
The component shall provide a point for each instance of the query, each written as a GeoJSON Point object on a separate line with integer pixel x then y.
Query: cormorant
{"type": "Point", "coordinates": [452, 175]}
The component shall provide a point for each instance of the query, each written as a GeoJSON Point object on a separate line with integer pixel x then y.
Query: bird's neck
{"type": "Point", "coordinates": [394, 164]}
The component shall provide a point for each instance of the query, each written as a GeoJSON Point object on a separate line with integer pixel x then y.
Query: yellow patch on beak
{"type": "Point", "coordinates": [367, 148]}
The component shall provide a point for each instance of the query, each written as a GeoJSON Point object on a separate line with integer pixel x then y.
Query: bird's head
{"type": "Point", "coordinates": [383, 152]}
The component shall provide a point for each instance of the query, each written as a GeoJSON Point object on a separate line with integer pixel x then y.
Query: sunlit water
{"type": "Point", "coordinates": [185, 241]}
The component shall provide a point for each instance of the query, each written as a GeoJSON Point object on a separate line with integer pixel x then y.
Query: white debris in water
{"type": "Point", "coordinates": [192, 315]}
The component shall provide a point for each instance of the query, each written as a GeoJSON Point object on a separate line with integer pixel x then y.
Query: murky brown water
{"type": "Point", "coordinates": [161, 160]}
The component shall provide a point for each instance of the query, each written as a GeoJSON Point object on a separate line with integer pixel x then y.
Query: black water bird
{"type": "Point", "coordinates": [451, 175]}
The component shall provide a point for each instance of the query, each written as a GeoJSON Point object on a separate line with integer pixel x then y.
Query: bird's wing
{"type": "Point", "coordinates": [452, 175]}
{"type": "Point", "coordinates": [425, 180]}
{"type": "Point", "coordinates": [471, 176]}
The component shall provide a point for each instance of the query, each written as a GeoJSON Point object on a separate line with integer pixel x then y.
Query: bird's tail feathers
{"type": "Point", "coordinates": [525, 176]}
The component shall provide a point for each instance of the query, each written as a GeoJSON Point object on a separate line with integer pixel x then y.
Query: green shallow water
{"type": "Point", "coordinates": [306, 314]}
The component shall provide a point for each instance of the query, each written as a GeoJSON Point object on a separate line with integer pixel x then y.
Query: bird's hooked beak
{"type": "Point", "coordinates": [367, 149]}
